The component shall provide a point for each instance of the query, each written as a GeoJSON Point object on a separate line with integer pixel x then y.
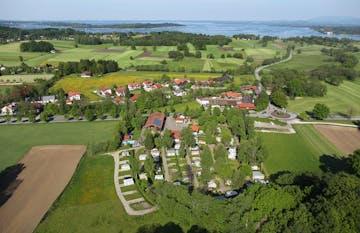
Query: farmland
{"type": "Point", "coordinates": [99, 210]}
{"type": "Point", "coordinates": [142, 55]}
{"type": "Point", "coordinates": [309, 144]}
{"type": "Point", "coordinates": [88, 85]}
{"type": "Point", "coordinates": [16, 140]}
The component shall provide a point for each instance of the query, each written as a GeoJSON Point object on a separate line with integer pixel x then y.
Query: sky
{"type": "Point", "coordinates": [176, 9]}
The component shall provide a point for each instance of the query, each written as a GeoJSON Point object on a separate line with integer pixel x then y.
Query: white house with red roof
{"type": "Point", "coordinates": [147, 84]}
{"type": "Point", "coordinates": [180, 81]}
{"type": "Point", "coordinates": [8, 109]}
{"type": "Point", "coordinates": [74, 95]}
{"type": "Point", "coordinates": [134, 86]}
{"type": "Point", "coordinates": [86, 74]}
{"type": "Point", "coordinates": [156, 86]}
{"type": "Point", "coordinates": [105, 91]}
{"type": "Point", "coordinates": [120, 91]}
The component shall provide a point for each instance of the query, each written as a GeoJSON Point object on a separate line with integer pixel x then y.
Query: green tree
{"type": "Point", "coordinates": [44, 116]}
{"type": "Point", "coordinates": [355, 162]}
{"type": "Point", "coordinates": [278, 98]}
{"type": "Point", "coordinates": [321, 111]}
{"type": "Point", "coordinates": [149, 140]}
{"type": "Point", "coordinates": [188, 137]}
{"type": "Point", "coordinates": [262, 101]}
{"type": "Point", "coordinates": [89, 114]}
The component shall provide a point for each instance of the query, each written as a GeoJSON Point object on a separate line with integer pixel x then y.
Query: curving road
{"type": "Point", "coordinates": [260, 68]}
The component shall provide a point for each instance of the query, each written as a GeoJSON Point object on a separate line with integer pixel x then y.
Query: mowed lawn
{"type": "Point", "coordinates": [297, 152]}
{"type": "Point", "coordinates": [89, 203]}
{"type": "Point", "coordinates": [16, 140]}
{"type": "Point", "coordinates": [87, 85]}
{"type": "Point", "coordinates": [338, 98]}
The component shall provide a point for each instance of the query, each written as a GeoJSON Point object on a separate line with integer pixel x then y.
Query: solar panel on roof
{"type": "Point", "coordinates": [157, 122]}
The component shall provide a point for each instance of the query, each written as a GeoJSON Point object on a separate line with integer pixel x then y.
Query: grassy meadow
{"type": "Point", "coordinates": [309, 144]}
{"type": "Point", "coordinates": [24, 78]}
{"type": "Point", "coordinates": [16, 140]}
{"type": "Point", "coordinates": [338, 98]}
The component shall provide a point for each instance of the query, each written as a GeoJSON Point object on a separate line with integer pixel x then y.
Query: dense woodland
{"type": "Point", "coordinates": [95, 67]}
{"type": "Point", "coordinates": [33, 46]}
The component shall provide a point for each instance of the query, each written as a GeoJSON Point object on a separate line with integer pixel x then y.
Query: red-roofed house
{"type": "Point", "coordinates": [155, 121]}
{"type": "Point", "coordinates": [156, 86]}
{"type": "Point", "coordinates": [180, 81]}
{"type": "Point", "coordinates": [176, 136]}
{"type": "Point", "coordinates": [246, 106]}
{"type": "Point", "coordinates": [118, 100]}
{"type": "Point", "coordinates": [147, 85]}
{"type": "Point", "coordinates": [86, 74]}
{"type": "Point", "coordinates": [134, 86]}
{"type": "Point", "coordinates": [250, 89]}
{"type": "Point", "coordinates": [135, 97]}
{"type": "Point", "coordinates": [195, 128]}
{"type": "Point", "coordinates": [120, 91]}
{"type": "Point", "coordinates": [74, 95]}
{"type": "Point", "coordinates": [104, 91]}
{"type": "Point", "coordinates": [232, 95]}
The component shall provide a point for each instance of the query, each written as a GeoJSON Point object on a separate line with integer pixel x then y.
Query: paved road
{"type": "Point", "coordinates": [165, 165]}
{"type": "Point", "coordinates": [257, 70]}
{"type": "Point", "coordinates": [55, 119]}
{"type": "Point", "coordinates": [321, 123]}
{"type": "Point", "coordinates": [337, 117]}
{"type": "Point", "coordinates": [193, 176]}
{"type": "Point", "coordinates": [126, 204]}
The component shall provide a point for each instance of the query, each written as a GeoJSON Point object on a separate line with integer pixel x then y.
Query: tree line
{"type": "Point", "coordinates": [95, 67]}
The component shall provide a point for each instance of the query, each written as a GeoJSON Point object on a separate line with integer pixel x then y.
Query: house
{"type": "Point", "coordinates": [147, 84]}
{"type": "Point", "coordinates": [203, 101]}
{"type": "Point", "coordinates": [105, 91]}
{"type": "Point", "coordinates": [195, 129]}
{"type": "Point", "coordinates": [156, 86]}
{"type": "Point", "coordinates": [246, 106]}
{"type": "Point", "coordinates": [74, 95]}
{"type": "Point", "coordinates": [232, 95]}
{"type": "Point", "coordinates": [134, 86]}
{"type": "Point", "coordinates": [143, 157]}
{"type": "Point", "coordinates": [128, 181]}
{"type": "Point", "coordinates": [155, 121]}
{"type": "Point", "coordinates": [159, 177]}
{"type": "Point", "coordinates": [155, 153]}
{"type": "Point", "coordinates": [120, 91]}
{"type": "Point", "coordinates": [128, 141]}
{"type": "Point", "coordinates": [258, 176]}
{"type": "Point", "coordinates": [135, 97]}
{"type": "Point", "coordinates": [176, 136]}
{"type": "Point", "coordinates": [143, 176]}
{"type": "Point", "coordinates": [180, 81]}
{"type": "Point", "coordinates": [220, 102]}
{"type": "Point", "coordinates": [179, 93]}
{"type": "Point", "coordinates": [48, 99]}
{"type": "Point", "coordinates": [118, 100]}
{"type": "Point", "coordinates": [211, 184]}
{"type": "Point", "coordinates": [125, 154]}
{"type": "Point", "coordinates": [125, 167]}
{"type": "Point", "coordinates": [86, 74]}
{"type": "Point", "coordinates": [232, 153]}
{"type": "Point", "coordinates": [9, 109]}
{"type": "Point", "coordinates": [170, 152]}
{"type": "Point", "coordinates": [250, 89]}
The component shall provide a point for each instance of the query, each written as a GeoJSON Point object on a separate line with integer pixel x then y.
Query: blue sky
{"type": "Point", "coordinates": [175, 9]}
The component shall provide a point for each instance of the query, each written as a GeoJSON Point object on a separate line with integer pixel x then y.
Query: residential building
{"type": "Point", "coordinates": [86, 74]}
{"type": "Point", "coordinates": [74, 95]}
{"type": "Point", "coordinates": [120, 91]}
{"type": "Point", "coordinates": [105, 91]}
{"type": "Point", "coordinates": [156, 121]}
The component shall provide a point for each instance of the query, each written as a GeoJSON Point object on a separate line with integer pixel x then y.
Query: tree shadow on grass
{"type": "Point", "coordinates": [169, 227]}
{"type": "Point", "coordinates": [9, 181]}
{"type": "Point", "coordinates": [357, 123]}
{"type": "Point", "coordinates": [335, 164]}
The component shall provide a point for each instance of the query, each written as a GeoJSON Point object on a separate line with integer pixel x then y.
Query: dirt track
{"type": "Point", "coordinates": [344, 138]}
{"type": "Point", "coordinates": [48, 169]}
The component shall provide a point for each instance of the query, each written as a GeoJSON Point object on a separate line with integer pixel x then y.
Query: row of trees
{"type": "Point", "coordinates": [88, 40]}
{"type": "Point", "coordinates": [95, 67]}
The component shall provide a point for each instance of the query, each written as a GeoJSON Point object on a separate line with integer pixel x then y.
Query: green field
{"type": "Point", "coordinates": [90, 204]}
{"type": "Point", "coordinates": [297, 152]}
{"type": "Point", "coordinates": [16, 140]}
{"type": "Point", "coordinates": [338, 98]}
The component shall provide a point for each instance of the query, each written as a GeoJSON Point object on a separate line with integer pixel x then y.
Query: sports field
{"type": "Point", "coordinates": [16, 140]}
{"type": "Point", "coordinates": [297, 152]}
{"type": "Point", "coordinates": [340, 99]}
